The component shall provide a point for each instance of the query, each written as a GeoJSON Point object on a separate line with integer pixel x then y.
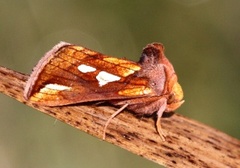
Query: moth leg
{"type": "Point", "coordinates": [158, 122]}
{"type": "Point", "coordinates": [111, 117]}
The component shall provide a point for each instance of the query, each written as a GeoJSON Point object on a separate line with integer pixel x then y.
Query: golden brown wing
{"type": "Point", "coordinates": [70, 74]}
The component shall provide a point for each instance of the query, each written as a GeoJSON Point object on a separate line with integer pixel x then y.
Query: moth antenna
{"type": "Point", "coordinates": [111, 117]}
{"type": "Point", "coordinates": [158, 122]}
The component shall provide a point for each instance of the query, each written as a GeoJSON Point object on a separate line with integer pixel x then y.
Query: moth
{"type": "Point", "coordinates": [71, 74]}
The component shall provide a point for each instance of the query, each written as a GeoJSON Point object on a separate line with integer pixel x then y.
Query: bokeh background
{"type": "Point", "coordinates": [202, 40]}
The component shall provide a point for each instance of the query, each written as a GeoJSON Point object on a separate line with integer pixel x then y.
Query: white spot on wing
{"type": "Point", "coordinates": [86, 68]}
{"type": "Point", "coordinates": [105, 77]}
{"type": "Point", "coordinates": [57, 87]}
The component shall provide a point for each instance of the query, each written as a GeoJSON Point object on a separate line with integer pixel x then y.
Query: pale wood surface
{"type": "Point", "coordinates": [188, 142]}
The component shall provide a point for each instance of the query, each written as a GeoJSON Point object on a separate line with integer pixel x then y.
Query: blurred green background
{"type": "Point", "coordinates": [202, 40]}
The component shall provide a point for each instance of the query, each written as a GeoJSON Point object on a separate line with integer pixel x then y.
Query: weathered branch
{"type": "Point", "coordinates": [188, 144]}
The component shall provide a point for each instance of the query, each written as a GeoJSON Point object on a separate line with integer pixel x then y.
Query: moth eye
{"type": "Point", "coordinates": [153, 84]}
{"type": "Point", "coordinates": [171, 98]}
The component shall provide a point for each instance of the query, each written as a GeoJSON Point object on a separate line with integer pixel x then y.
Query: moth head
{"type": "Point", "coordinates": [175, 98]}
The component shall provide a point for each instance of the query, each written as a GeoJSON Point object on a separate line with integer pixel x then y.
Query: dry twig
{"type": "Point", "coordinates": [188, 144]}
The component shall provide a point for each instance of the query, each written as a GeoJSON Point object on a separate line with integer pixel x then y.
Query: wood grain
{"type": "Point", "coordinates": [188, 142]}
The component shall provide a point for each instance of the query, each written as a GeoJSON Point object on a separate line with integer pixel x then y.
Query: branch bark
{"type": "Point", "coordinates": [188, 142]}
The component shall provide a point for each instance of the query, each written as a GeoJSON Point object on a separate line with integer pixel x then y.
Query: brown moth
{"type": "Point", "coordinates": [70, 74]}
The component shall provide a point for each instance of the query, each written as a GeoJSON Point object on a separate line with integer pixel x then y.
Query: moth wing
{"type": "Point", "coordinates": [70, 74]}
